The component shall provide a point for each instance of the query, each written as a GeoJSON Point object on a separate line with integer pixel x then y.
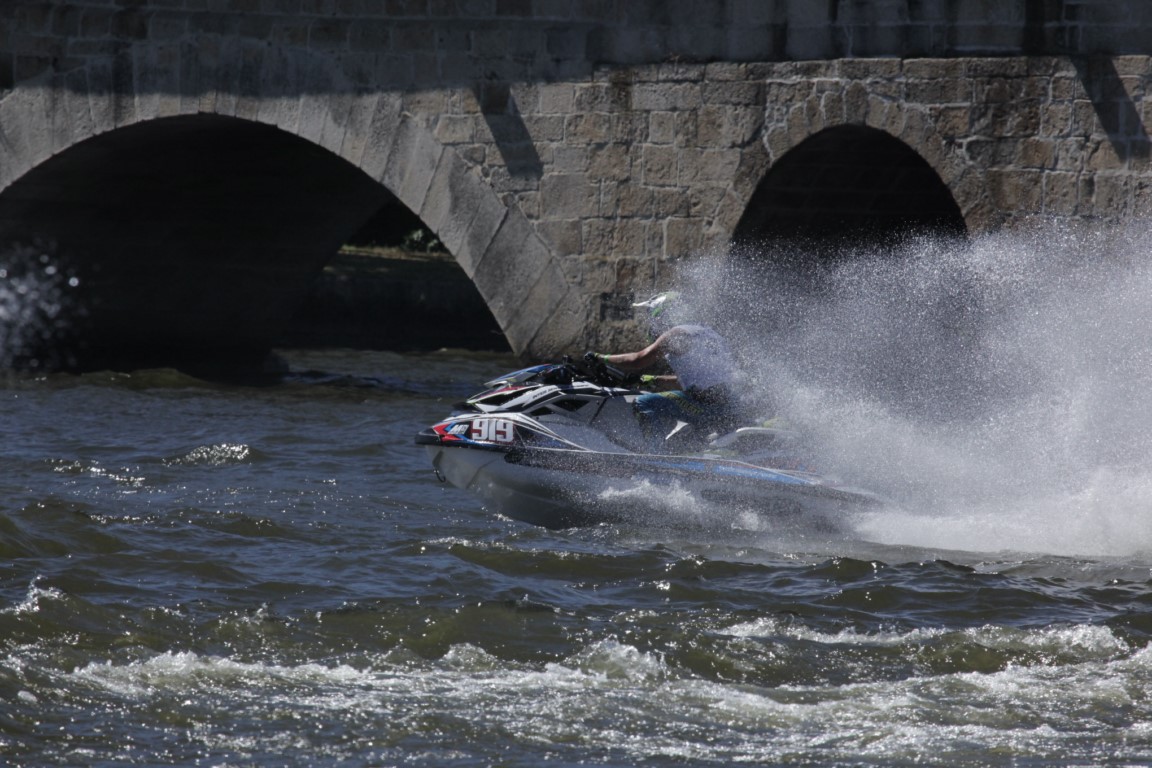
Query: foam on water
{"type": "Point", "coordinates": [611, 696]}
{"type": "Point", "coordinates": [999, 392]}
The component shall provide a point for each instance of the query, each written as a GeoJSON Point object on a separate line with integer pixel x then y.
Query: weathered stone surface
{"type": "Point", "coordinates": [567, 150]}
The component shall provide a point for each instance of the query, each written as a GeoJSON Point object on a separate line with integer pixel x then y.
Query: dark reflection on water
{"type": "Point", "coordinates": [208, 574]}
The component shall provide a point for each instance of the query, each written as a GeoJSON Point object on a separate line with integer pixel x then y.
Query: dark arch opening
{"type": "Point", "coordinates": [394, 286]}
{"type": "Point", "coordinates": [847, 188]}
{"type": "Point", "coordinates": [191, 240]}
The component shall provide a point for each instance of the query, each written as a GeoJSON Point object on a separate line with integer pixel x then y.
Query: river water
{"type": "Point", "coordinates": [205, 574]}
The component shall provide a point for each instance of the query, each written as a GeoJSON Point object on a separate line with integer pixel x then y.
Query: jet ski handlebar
{"type": "Point", "coordinates": [593, 368]}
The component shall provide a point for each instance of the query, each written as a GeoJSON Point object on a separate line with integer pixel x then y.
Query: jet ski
{"type": "Point", "coordinates": [557, 445]}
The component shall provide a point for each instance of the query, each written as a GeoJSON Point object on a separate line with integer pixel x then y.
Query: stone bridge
{"type": "Point", "coordinates": [190, 165]}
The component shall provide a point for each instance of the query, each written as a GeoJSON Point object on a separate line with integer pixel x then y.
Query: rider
{"type": "Point", "coordinates": [699, 390]}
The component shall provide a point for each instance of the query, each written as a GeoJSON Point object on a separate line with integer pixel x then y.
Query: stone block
{"type": "Point", "coordinates": [511, 265]}
{"type": "Point", "coordinates": [629, 127]}
{"type": "Point", "coordinates": [449, 203]}
{"type": "Point", "coordinates": [587, 128]}
{"type": "Point", "coordinates": [745, 125]}
{"type": "Point", "coordinates": [629, 238]}
{"type": "Point", "coordinates": [832, 108]}
{"type": "Point", "coordinates": [411, 164]}
{"type": "Point", "coordinates": [1083, 118]}
{"type": "Point", "coordinates": [683, 236]}
{"type": "Point", "coordinates": [939, 91]}
{"type": "Point", "coordinates": [1060, 194]}
{"type": "Point", "coordinates": [659, 165]}
{"type": "Point", "coordinates": [1020, 191]}
{"type": "Point", "coordinates": [335, 120]}
{"type": "Point", "coordinates": [712, 127]}
{"type": "Point", "coordinates": [786, 92]}
{"type": "Point", "coordinates": [1103, 155]}
{"type": "Point", "coordinates": [455, 129]}
{"type": "Point", "coordinates": [123, 91]}
{"type": "Point", "coordinates": [566, 159]}
{"type": "Point", "coordinates": [1037, 153]}
{"type": "Point", "coordinates": [661, 128]}
{"type": "Point", "coordinates": [996, 67]}
{"type": "Point", "coordinates": [1056, 120]}
{"type": "Point", "coordinates": [667, 96]}
{"type": "Point", "coordinates": [100, 99]}
{"type": "Point", "coordinates": [669, 201]}
{"type": "Point", "coordinates": [776, 141]}
{"type": "Point", "coordinates": [475, 234]}
{"type": "Point", "coordinates": [1065, 88]}
{"type": "Point", "coordinates": [687, 129]}
{"type": "Point", "coordinates": [632, 200]}
{"type": "Point", "coordinates": [610, 162]}
{"type": "Point", "coordinates": [926, 69]}
{"type": "Point", "coordinates": [677, 71]}
{"type": "Point", "coordinates": [381, 133]}
{"type": "Point", "coordinates": [313, 112]}
{"type": "Point", "coordinates": [596, 234]}
{"type": "Point", "coordinates": [707, 166]}
{"type": "Point", "coordinates": [729, 71]}
{"type": "Point", "coordinates": [565, 330]}
{"type": "Point", "coordinates": [227, 71]}
{"type": "Point", "coordinates": [1112, 195]}
{"type": "Point", "coordinates": [568, 195]}
{"type": "Point", "coordinates": [555, 98]}
{"type": "Point", "coordinates": [248, 96]}
{"type": "Point", "coordinates": [281, 81]}
{"type": "Point", "coordinates": [951, 122]}
{"type": "Point", "coordinates": [733, 93]}
{"type": "Point", "coordinates": [359, 119]}
{"type": "Point", "coordinates": [562, 237]}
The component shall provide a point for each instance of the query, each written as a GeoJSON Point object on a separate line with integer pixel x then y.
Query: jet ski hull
{"type": "Point", "coordinates": [562, 488]}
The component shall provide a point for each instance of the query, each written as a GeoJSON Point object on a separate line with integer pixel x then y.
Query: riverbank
{"type": "Point", "coordinates": [395, 299]}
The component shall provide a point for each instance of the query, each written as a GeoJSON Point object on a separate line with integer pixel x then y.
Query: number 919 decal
{"type": "Point", "coordinates": [492, 430]}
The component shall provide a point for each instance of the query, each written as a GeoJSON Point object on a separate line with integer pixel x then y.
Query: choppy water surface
{"type": "Point", "coordinates": [197, 574]}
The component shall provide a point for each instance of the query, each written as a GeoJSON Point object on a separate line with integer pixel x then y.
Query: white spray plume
{"type": "Point", "coordinates": [998, 391]}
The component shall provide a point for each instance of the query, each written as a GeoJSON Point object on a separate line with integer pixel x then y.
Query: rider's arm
{"type": "Point", "coordinates": [669, 341]}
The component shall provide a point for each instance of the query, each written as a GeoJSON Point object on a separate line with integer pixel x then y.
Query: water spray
{"type": "Point", "coordinates": [37, 307]}
{"type": "Point", "coordinates": [1000, 389]}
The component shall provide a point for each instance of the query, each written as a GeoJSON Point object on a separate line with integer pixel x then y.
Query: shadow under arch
{"type": "Point", "coordinates": [192, 239]}
{"type": "Point", "coordinates": [847, 188]}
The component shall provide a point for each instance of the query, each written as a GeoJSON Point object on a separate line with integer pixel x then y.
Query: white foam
{"type": "Point", "coordinates": [611, 695]}
{"type": "Point", "coordinates": [217, 455]}
{"type": "Point", "coordinates": [34, 599]}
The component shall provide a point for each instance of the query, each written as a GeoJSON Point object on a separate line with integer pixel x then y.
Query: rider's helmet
{"type": "Point", "coordinates": [661, 308]}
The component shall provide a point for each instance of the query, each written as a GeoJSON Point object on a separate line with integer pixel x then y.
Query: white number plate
{"type": "Point", "coordinates": [493, 430]}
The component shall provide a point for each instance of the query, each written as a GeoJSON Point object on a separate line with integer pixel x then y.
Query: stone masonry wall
{"type": "Point", "coordinates": [645, 165]}
{"type": "Point", "coordinates": [626, 133]}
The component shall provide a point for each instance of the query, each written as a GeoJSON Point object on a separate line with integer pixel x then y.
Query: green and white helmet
{"type": "Point", "coordinates": [660, 309]}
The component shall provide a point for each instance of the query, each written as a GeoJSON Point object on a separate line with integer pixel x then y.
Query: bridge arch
{"type": "Point", "coordinates": [847, 185]}
{"type": "Point", "coordinates": [108, 159]}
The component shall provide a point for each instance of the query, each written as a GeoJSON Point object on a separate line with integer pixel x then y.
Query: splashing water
{"type": "Point", "coordinates": [34, 297]}
{"type": "Point", "coordinates": [999, 391]}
